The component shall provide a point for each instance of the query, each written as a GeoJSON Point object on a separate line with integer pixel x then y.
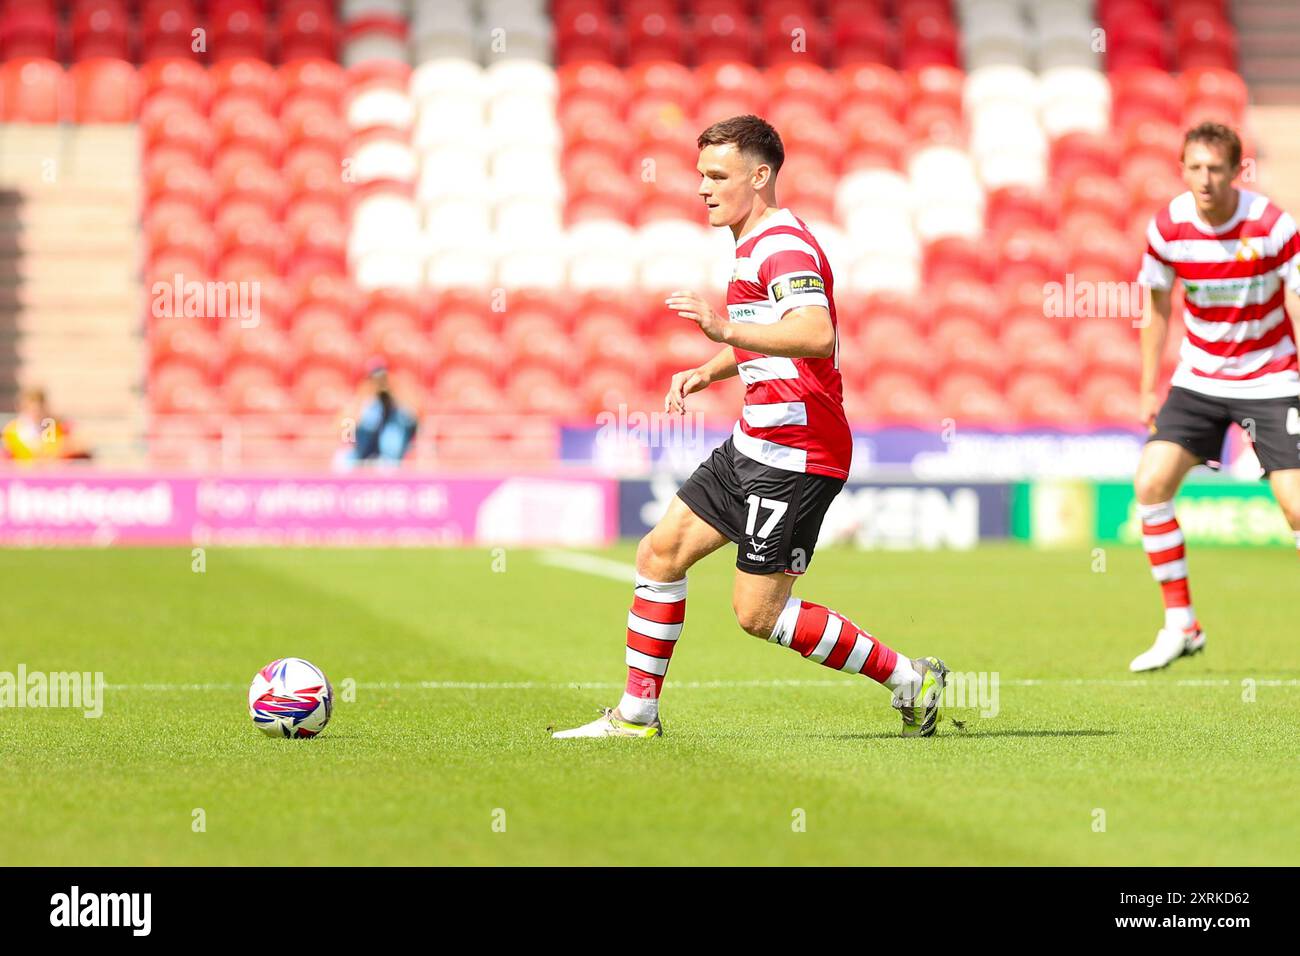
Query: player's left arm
{"type": "Point", "coordinates": [803, 332]}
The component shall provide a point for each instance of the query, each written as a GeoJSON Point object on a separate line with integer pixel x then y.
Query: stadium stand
{"type": "Point", "coordinates": [491, 195]}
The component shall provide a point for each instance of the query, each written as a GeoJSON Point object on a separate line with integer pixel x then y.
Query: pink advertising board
{"type": "Point", "coordinates": [87, 508]}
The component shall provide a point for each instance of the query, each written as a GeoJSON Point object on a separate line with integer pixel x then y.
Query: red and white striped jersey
{"type": "Point", "coordinates": [793, 416]}
{"type": "Point", "coordinates": [1239, 342]}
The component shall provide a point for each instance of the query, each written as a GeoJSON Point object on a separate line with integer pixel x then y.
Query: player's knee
{"type": "Point", "coordinates": [656, 558]}
{"type": "Point", "coordinates": [1152, 489]}
{"type": "Point", "coordinates": [754, 620]}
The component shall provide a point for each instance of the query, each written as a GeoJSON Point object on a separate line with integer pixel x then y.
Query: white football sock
{"type": "Point", "coordinates": [1179, 618]}
{"type": "Point", "coordinates": [639, 710]}
{"type": "Point", "coordinates": [905, 681]}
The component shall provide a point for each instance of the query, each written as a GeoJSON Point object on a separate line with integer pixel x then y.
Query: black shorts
{"type": "Point", "coordinates": [1200, 422]}
{"type": "Point", "coordinates": [773, 515]}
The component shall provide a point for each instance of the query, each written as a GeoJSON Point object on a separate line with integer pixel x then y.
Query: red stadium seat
{"type": "Point", "coordinates": [894, 398]}
{"type": "Point", "coordinates": [179, 340]}
{"type": "Point", "coordinates": [253, 389]}
{"type": "Point", "coordinates": [972, 401]}
{"type": "Point", "coordinates": [190, 236]}
{"type": "Point", "coordinates": [670, 80]}
{"type": "Point", "coordinates": [238, 30]}
{"type": "Point", "coordinates": [242, 116]}
{"type": "Point", "coordinates": [32, 90]}
{"type": "Point", "coordinates": [873, 83]}
{"type": "Point", "coordinates": [465, 342]}
{"type": "Point", "coordinates": [1037, 399]}
{"type": "Point", "coordinates": [590, 81]}
{"type": "Point", "coordinates": [1214, 84]}
{"type": "Point", "coordinates": [1016, 207]}
{"type": "Point", "coordinates": [863, 40]}
{"type": "Point", "coordinates": [1038, 248]}
{"type": "Point", "coordinates": [191, 185]}
{"type": "Point", "coordinates": [1144, 91]}
{"type": "Point", "coordinates": [29, 31]}
{"type": "Point", "coordinates": [1142, 43]}
{"type": "Point", "coordinates": [1100, 194]}
{"type": "Point", "coordinates": [399, 345]}
{"type": "Point", "coordinates": [322, 389]}
{"type": "Point", "coordinates": [793, 35]}
{"type": "Point", "coordinates": [314, 77]}
{"type": "Point", "coordinates": [1205, 41]}
{"type": "Point", "coordinates": [956, 257]}
{"type": "Point", "coordinates": [1081, 152]}
{"type": "Point", "coordinates": [166, 30]}
{"type": "Point", "coordinates": [306, 120]}
{"type": "Point", "coordinates": [586, 35]}
{"type": "Point", "coordinates": [963, 345]}
{"type": "Point", "coordinates": [801, 82]}
{"type": "Point", "coordinates": [541, 390]}
{"type": "Point", "coordinates": [181, 77]}
{"type": "Point", "coordinates": [167, 120]}
{"type": "Point", "coordinates": [264, 345]}
{"type": "Point", "coordinates": [323, 338]}
{"type": "Point", "coordinates": [606, 389]}
{"type": "Point", "coordinates": [537, 339]}
{"type": "Point", "coordinates": [1110, 400]}
{"type": "Point", "coordinates": [250, 77]}
{"type": "Point", "coordinates": [929, 37]}
{"type": "Point", "coordinates": [181, 388]}
{"type": "Point", "coordinates": [466, 389]}
{"type": "Point", "coordinates": [723, 37]}
{"type": "Point", "coordinates": [100, 28]}
{"type": "Point", "coordinates": [307, 30]}
{"type": "Point", "coordinates": [104, 91]}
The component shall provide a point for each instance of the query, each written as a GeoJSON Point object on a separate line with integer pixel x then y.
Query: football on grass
{"type": "Point", "coordinates": [290, 698]}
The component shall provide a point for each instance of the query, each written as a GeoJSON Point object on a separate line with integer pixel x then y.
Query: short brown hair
{"type": "Point", "coordinates": [1216, 134]}
{"type": "Point", "coordinates": [754, 136]}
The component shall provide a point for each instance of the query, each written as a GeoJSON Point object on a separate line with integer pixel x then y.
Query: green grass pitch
{"type": "Point", "coordinates": [1082, 764]}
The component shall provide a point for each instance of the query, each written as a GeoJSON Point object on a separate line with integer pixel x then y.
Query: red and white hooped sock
{"type": "Point", "coordinates": [1162, 539]}
{"type": "Point", "coordinates": [653, 625]}
{"type": "Point", "coordinates": [832, 640]}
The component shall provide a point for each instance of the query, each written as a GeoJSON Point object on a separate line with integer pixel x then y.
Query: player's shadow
{"type": "Point", "coordinates": [949, 732]}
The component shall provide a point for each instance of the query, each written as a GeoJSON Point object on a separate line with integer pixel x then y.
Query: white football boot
{"type": "Point", "coordinates": [610, 723]}
{"type": "Point", "coordinates": [1170, 645]}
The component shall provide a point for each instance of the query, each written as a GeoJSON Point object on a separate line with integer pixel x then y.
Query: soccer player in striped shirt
{"type": "Point", "coordinates": [1238, 256]}
{"type": "Point", "coordinates": [768, 486]}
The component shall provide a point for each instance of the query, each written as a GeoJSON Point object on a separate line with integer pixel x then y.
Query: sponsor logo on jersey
{"type": "Point", "coordinates": [797, 286]}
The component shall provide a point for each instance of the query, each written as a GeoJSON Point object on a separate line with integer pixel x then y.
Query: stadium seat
{"type": "Point", "coordinates": [103, 91]}
{"type": "Point", "coordinates": [32, 90]}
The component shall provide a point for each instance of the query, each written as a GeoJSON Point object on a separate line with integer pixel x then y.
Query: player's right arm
{"type": "Point", "coordinates": [1155, 331]}
{"type": "Point", "coordinates": [721, 366]}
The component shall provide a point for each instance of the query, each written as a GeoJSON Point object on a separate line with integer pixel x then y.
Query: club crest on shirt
{"type": "Point", "coordinates": [1246, 252]}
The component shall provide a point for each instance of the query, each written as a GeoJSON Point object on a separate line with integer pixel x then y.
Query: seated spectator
{"type": "Point", "coordinates": [35, 434]}
{"type": "Point", "coordinates": [384, 429]}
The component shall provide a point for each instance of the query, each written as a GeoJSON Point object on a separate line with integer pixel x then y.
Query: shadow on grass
{"type": "Point", "coordinates": [948, 732]}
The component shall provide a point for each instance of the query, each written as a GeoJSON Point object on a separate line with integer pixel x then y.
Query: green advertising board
{"type": "Point", "coordinates": [1064, 513]}
{"type": "Point", "coordinates": [1210, 511]}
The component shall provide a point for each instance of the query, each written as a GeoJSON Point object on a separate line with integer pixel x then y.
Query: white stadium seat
{"type": "Point", "coordinates": [601, 254]}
